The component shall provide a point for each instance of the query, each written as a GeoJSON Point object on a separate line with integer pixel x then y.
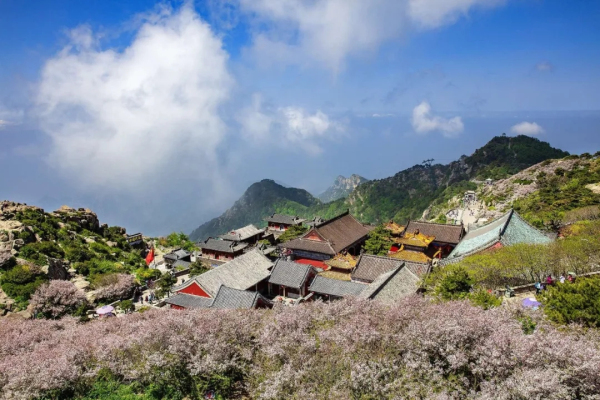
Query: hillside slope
{"type": "Point", "coordinates": [341, 188]}
{"type": "Point", "coordinates": [260, 200]}
{"type": "Point", "coordinates": [410, 192]}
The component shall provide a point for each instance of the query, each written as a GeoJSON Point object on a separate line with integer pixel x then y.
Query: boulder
{"type": "Point", "coordinates": [57, 269]}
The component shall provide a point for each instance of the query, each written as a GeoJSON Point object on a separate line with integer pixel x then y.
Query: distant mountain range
{"type": "Point", "coordinates": [406, 195]}
{"type": "Point", "coordinates": [341, 188]}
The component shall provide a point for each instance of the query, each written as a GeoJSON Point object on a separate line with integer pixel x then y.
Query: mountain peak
{"type": "Point", "coordinates": [341, 188]}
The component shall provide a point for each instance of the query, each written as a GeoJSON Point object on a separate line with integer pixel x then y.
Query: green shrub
{"type": "Point", "coordinates": [485, 299]}
{"type": "Point", "coordinates": [577, 302]}
{"type": "Point", "coordinates": [379, 241]}
{"type": "Point", "coordinates": [21, 282]}
{"type": "Point", "coordinates": [455, 284]}
{"type": "Point", "coordinates": [127, 305]}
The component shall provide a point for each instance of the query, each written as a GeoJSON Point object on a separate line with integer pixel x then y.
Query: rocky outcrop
{"type": "Point", "coordinates": [341, 188]}
{"type": "Point", "coordinates": [58, 269]}
{"type": "Point", "coordinates": [83, 217]}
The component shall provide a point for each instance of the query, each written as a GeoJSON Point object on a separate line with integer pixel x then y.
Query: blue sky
{"type": "Point", "coordinates": [159, 115]}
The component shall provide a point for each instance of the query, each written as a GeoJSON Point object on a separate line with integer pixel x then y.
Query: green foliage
{"type": "Point", "coordinates": [559, 194]}
{"type": "Point", "coordinates": [528, 325]}
{"type": "Point", "coordinates": [165, 283]}
{"type": "Point", "coordinates": [126, 305]}
{"type": "Point", "coordinates": [576, 302]}
{"type": "Point", "coordinates": [485, 299]}
{"type": "Point", "coordinates": [20, 282]}
{"type": "Point", "coordinates": [198, 267]}
{"type": "Point", "coordinates": [180, 240]}
{"type": "Point", "coordinates": [379, 241]}
{"type": "Point", "coordinates": [144, 273]}
{"type": "Point", "coordinates": [455, 284]}
{"type": "Point", "coordinates": [523, 181]}
{"type": "Point", "coordinates": [37, 252]}
{"type": "Point", "coordinates": [292, 233]}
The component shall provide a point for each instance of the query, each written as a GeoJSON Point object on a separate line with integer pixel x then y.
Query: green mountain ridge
{"type": "Point", "coordinates": [406, 195]}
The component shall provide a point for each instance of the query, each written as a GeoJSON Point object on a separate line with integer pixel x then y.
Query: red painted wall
{"type": "Point", "coordinates": [174, 307]}
{"type": "Point", "coordinates": [194, 289]}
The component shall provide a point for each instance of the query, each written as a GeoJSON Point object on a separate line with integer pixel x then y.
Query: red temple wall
{"type": "Point", "coordinates": [195, 290]}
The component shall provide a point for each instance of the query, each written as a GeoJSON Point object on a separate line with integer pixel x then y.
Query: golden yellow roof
{"type": "Point", "coordinates": [341, 261]}
{"type": "Point", "coordinates": [408, 255]}
{"type": "Point", "coordinates": [415, 239]}
{"type": "Point", "coordinates": [341, 276]}
{"type": "Point", "coordinates": [394, 228]}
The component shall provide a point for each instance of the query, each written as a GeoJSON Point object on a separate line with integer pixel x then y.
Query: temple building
{"type": "Point", "coordinates": [445, 237]}
{"type": "Point", "coordinates": [339, 267]}
{"type": "Point", "coordinates": [219, 249]}
{"type": "Point", "coordinates": [248, 234]}
{"type": "Point", "coordinates": [281, 222]}
{"type": "Point", "coordinates": [290, 279]}
{"type": "Point", "coordinates": [177, 255]}
{"type": "Point", "coordinates": [507, 230]}
{"type": "Point", "coordinates": [249, 272]}
{"type": "Point", "coordinates": [326, 239]}
{"type": "Point", "coordinates": [332, 289]}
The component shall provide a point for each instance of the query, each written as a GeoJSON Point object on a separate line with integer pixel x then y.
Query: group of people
{"type": "Point", "coordinates": [149, 298]}
{"type": "Point", "coordinates": [539, 286]}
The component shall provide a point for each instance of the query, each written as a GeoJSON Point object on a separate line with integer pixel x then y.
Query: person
{"type": "Point", "coordinates": [146, 298]}
{"type": "Point", "coordinates": [141, 299]}
{"type": "Point", "coordinates": [562, 278]}
{"type": "Point", "coordinates": [570, 278]}
{"type": "Point", "coordinates": [538, 287]}
{"type": "Point", "coordinates": [549, 280]}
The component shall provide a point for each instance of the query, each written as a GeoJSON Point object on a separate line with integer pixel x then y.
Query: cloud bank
{"type": "Point", "coordinates": [118, 118]}
{"type": "Point", "coordinates": [423, 121]}
{"type": "Point", "coordinates": [329, 31]}
{"type": "Point", "coordinates": [288, 127]}
{"type": "Point", "coordinates": [527, 128]}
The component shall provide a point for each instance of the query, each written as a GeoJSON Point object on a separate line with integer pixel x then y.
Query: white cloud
{"type": "Point", "coordinates": [424, 122]}
{"type": "Point", "coordinates": [544, 66]}
{"type": "Point", "coordinates": [328, 31]}
{"type": "Point", "coordinates": [118, 118]}
{"type": "Point", "coordinates": [382, 115]}
{"type": "Point", "coordinates": [3, 123]}
{"type": "Point", "coordinates": [527, 128]}
{"type": "Point", "coordinates": [435, 13]}
{"type": "Point", "coordinates": [289, 127]}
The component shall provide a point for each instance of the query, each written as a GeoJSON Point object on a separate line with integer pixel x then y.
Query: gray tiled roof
{"type": "Point", "coordinates": [234, 298]}
{"type": "Point", "coordinates": [289, 274]}
{"type": "Point", "coordinates": [335, 287]}
{"type": "Point", "coordinates": [181, 263]}
{"type": "Point", "coordinates": [223, 246]}
{"type": "Point", "coordinates": [378, 283]}
{"type": "Point", "coordinates": [242, 273]}
{"type": "Point", "coordinates": [177, 254]}
{"type": "Point", "coordinates": [402, 284]}
{"type": "Point", "coordinates": [244, 233]}
{"type": "Point", "coordinates": [309, 245]}
{"type": "Point", "coordinates": [284, 219]}
{"type": "Point", "coordinates": [419, 269]}
{"type": "Point", "coordinates": [181, 253]}
{"type": "Point", "coordinates": [370, 267]}
{"type": "Point", "coordinates": [189, 301]}
{"type": "Point", "coordinates": [443, 232]}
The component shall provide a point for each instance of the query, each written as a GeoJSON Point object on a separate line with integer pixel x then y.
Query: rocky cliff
{"type": "Point", "coordinates": [341, 188]}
